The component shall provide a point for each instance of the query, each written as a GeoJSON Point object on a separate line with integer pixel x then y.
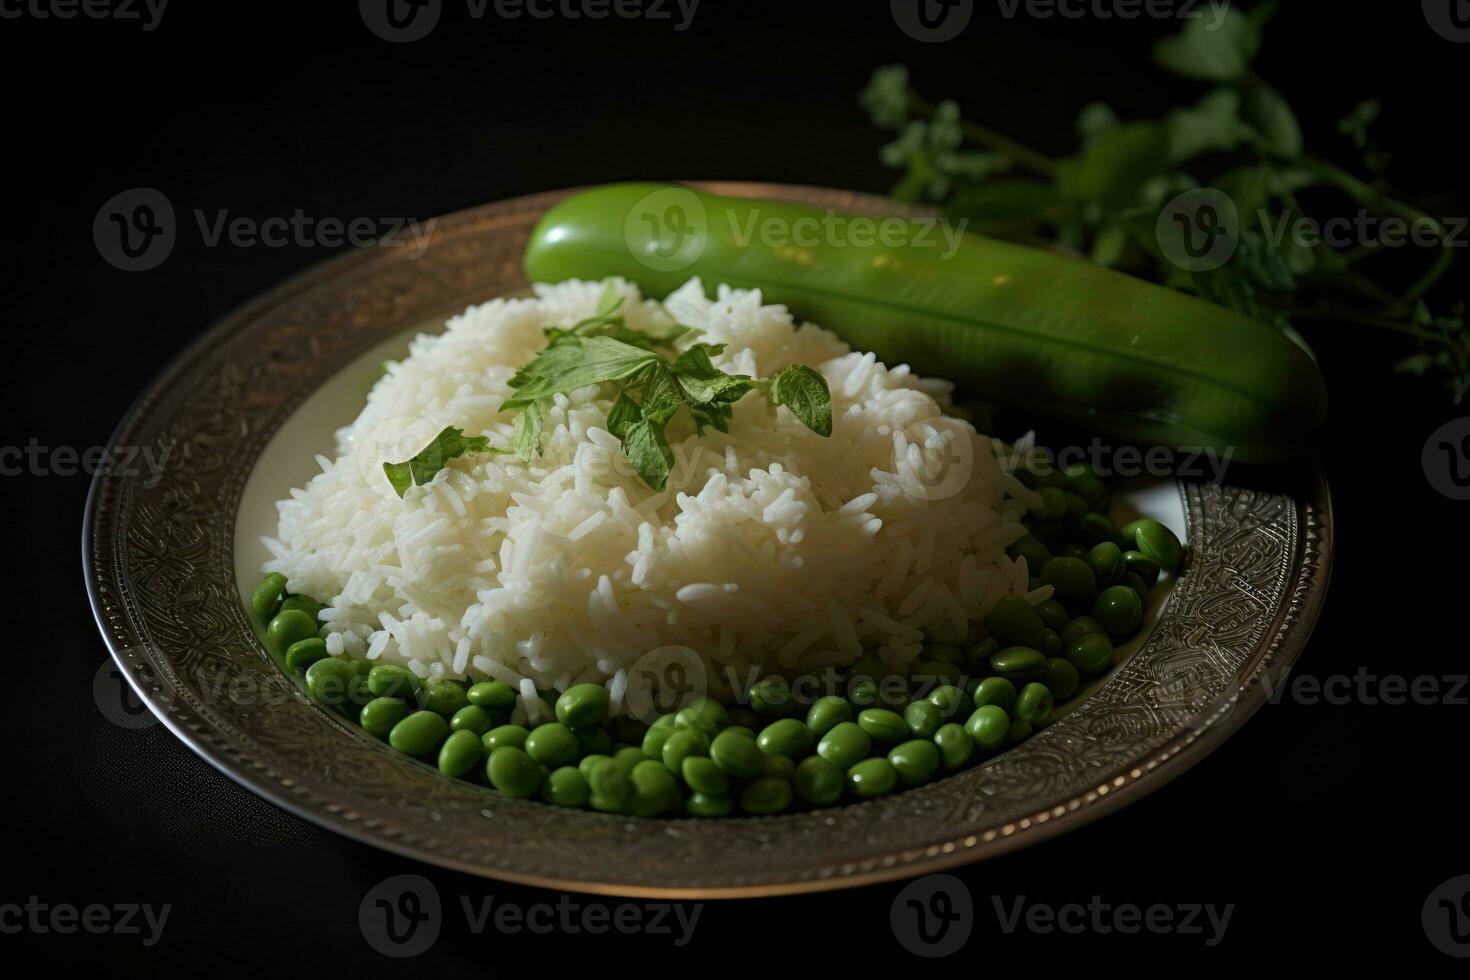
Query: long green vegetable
{"type": "Point", "coordinates": [1011, 324]}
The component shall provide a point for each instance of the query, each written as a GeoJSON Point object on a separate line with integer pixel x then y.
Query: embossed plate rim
{"type": "Point", "coordinates": [332, 805]}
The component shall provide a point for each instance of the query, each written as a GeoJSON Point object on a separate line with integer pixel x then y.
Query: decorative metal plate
{"type": "Point", "coordinates": [160, 573]}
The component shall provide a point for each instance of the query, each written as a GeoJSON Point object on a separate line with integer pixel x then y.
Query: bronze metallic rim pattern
{"type": "Point", "coordinates": [160, 574]}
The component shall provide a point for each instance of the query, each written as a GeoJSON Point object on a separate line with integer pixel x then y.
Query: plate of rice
{"type": "Point", "coordinates": [772, 550]}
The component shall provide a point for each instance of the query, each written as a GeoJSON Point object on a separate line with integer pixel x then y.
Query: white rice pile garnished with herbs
{"type": "Point", "coordinates": [770, 547]}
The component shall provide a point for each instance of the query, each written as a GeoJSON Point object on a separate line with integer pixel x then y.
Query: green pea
{"type": "Point", "coordinates": [1080, 627]}
{"type": "Point", "coordinates": [883, 725]}
{"type": "Point", "coordinates": [1054, 615]}
{"type": "Point", "coordinates": [703, 805]}
{"type": "Point", "coordinates": [736, 754]}
{"type": "Point", "coordinates": [1141, 565]}
{"type": "Point", "coordinates": [582, 705]}
{"type": "Point", "coordinates": [1053, 504]}
{"type": "Point", "coordinates": [1097, 527]}
{"type": "Point", "coordinates": [419, 734]}
{"type": "Point", "coordinates": [1135, 582]}
{"type": "Point", "coordinates": [943, 653]}
{"type": "Point", "coordinates": [1031, 549]}
{"type": "Point", "coordinates": [303, 653]}
{"type": "Point", "coordinates": [268, 595]}
{"type": "Point", "coordinates": [922, 718]}
{"type": "Point", "coordinates": [303, 603]}
{"type": "Point", "coordinates": [771, 697]}
{"type": "Point", "coordinates": [996, 691]}
{"type": "Point", "coordinates": [629, 756]}
{"type": "Point", "coordinates": [955, 746]}
{"type": "Point", "coordinates": [988, 726]}
{"type": "Point", "coordinates": [779, 766]}
{"type": "Point", "coordinates": [1018, 662]}
{"type": "Point", "coordinates": [513, 772]}
{"type": "Point", "coordinates": [1020, 731]}
{"type": "Point", "coordinates": [1081, 480]}
{"type": "Point", "coordinates": [951, 701]}
{"type": "Point", "coordinates": [379, 715]}
{"type": "Point", "coordinates": [703, 776]}
{"type": "Point", "coordinates": [594, 740]}
{"type": "Point", "coordinates": [741, 730]}
{"type": "Point", "coordinates": [552, 744]}
{"type": "Point", "coordinates": [706, 714]}
{"type": "Point", "coordinates": [826, 712]}
{"type": "Point", "coordinates": [1156, 541]}
{"type": "Point", "coordinates": [328, 681]}
{"type": "Point", "coordinates": [766, 795]}
{"type": "Point", "coordinates": [1051, 643]}
{"type": "Point", "coordinates": [460, 753]}
{"type": "Point", "coordinates": [658, 733]}
{"type": "Point", "coordinates": [1077, 508]}
{"type": "Point", "coordinates": [1106, 561]}
{"type": "Point", "coordinates": [287, 628]}
{"type": "Point", "coordinates": [610, 785]}
{"type": "Point", "coordinates": [1061, 678]}
{"type": "Point", "coordinates": [1072, 550]}
{"type": "Point", "coordinates": [818, 781]}
{"type": "Point", "coordinates": [867, 667]}
{"type": "Point", "coordinates": [493, 695]}
{"type": "Point", "coordinates": [915, 761]}
{"type": "Point", "coordinates": [980, 654]}
{"type": "Point", "coordinates": [1014, 623]}
{"type": "Point", "coordinates": [683, 743]}
{"type": "Point", "coordinates": [588, 761]}
{"type": "Point", "coordinates": [787, 737]}
{"type": "Point", "coordinates": [627, 730]}
{"type": "Point", "coordinates": [1033, 704]}
{"type": "Point", "coordinates": [1071, 578]}
{"type": "Point", "coordinates": [505, 735]}
{"type": "Point", "coordinates": [862, 691]}
{"type": "Point", "coordinates": [1119, 609]}
{"type": "Point", "coordinates": [872, 778]}
{"type": "Point", "coordinates": [566, 787]}
{"type": "Point", "coordinates": [444, 697]}
{"type": "Point", "coordinates": [392, 681]}
{"type": "Point", "coordinates": [654, 790]}
{"type": "Point", "coordinates": [844, 745]}
{"type": "Point", "coordinates": [1091, 654]}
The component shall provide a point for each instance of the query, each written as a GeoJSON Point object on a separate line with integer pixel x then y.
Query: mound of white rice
{"type": "Point", "coordinates": [772, 547]}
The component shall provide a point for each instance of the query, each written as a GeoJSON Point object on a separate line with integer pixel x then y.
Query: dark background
{"type": "Point", "coordinates": [1326, 826]}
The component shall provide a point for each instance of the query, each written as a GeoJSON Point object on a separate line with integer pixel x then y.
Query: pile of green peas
{"type": "Point", "coordinates": [888, 730]}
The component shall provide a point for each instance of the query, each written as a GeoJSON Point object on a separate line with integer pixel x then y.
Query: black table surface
{"type": "Point", "coordinates": [1323, 827]}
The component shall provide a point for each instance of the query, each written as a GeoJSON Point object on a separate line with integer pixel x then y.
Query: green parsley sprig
{"type": "Point", "coordinates": [1242, 138]}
